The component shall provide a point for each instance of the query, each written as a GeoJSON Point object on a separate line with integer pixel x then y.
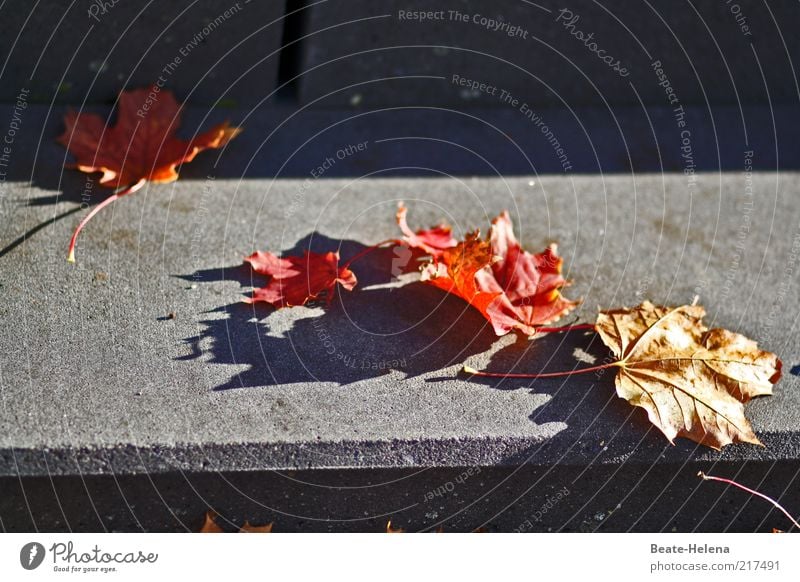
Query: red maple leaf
{"type": "Point", "coordinates": [457, 273]}
{"type": "Point", "coordinates": [511, 287]}
{"type": "Point", "coordinates": [532, 283]}
{"type": "Point", "coordinates": [140, 147]}
{"type": "Point", "coordinates": [297, 280]}
{"type": "Point", "coordinates": [433, 241]}
{"type": "Point", "coordinates": [142, 144]}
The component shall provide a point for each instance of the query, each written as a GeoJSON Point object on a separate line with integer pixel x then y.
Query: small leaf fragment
{"type": "Point", "coordinates": [433, 241]}
{"type": "Point", "coordinates": [390, 529]}
{"type": "Point", "coordinates": [210, 524]}
{"type": "Point", "coordinates": [250, 528]}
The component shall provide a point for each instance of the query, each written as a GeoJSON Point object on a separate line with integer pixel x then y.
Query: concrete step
{"type": "Point", "coordinates": [95, 374]}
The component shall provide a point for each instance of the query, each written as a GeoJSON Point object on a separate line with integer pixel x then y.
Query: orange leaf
{"type": "Point", "coordinates": [390, 529]}
{"type": "Point", "coordinates": [140, 147]}
{"type": "Point", "coordinates": [142, 144]}
{"type": "Point", "coordinates": [209, 524]}
{"type": "Point", "coordinates": [297, 280]}
{"type": "Point", "coordinates": [512, 288]}
{"type": "Point", "coordinates": [249, 528]}
{"type": "Point", "coordinates": [457, 274]}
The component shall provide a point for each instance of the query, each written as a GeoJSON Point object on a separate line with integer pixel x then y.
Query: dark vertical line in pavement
{"type": "Point", "coordinates": [291, 56]}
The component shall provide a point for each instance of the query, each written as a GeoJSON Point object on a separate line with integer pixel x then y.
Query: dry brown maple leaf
{"type": "Point", "coordinates": [692, 381]}
{"type": "Point", "coordinates": [511, 287]}
{"type": "Point", "coordinates": [140, 147]}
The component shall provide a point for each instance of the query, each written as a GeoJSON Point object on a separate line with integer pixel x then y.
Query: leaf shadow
{"type": "Point", "coordinates": [71, 187]}
{"type": "Point", "coordinates": [596, 422]}
{"type": "Point", "coordinates": [383, 326]}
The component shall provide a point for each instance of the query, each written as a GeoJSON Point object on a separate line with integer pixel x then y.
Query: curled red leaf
{"type": "Point", "coordinates": [433, 241]}
{"type": "Point", "coordinates": [511, 287]}
{"type": "Point", "coordinates": [531, 283]}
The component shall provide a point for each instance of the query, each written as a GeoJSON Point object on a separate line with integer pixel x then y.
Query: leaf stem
{"type": "Point", "coordinates": [114, 197]}
{"type": "Point", "coordinates": [474, 372]}
{"type": "Point", "coordinates": [574, 327]}
{"type": "Point", "coordinates": [705, 477]}
{"type": "Point", "coordinates": [363, 253]}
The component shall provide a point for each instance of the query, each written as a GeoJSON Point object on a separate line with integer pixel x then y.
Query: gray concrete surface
{"type": "Point", "coordinates": [96, 378]}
